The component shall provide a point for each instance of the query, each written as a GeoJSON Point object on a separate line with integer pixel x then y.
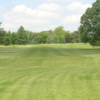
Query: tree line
{"type": "Point", "coordinates": [22, 36]}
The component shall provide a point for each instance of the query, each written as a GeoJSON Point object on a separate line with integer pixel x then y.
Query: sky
{"type": "Point", "coordinates": [39, 15]}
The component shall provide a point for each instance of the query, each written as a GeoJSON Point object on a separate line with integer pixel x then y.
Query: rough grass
{"type": "Point", "coordinates": [50, 72]}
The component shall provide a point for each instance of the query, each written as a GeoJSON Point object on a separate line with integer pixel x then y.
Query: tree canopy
{"type": "Point", "coordinates": [90, 25]}
{"type": "Point", "coordinates": [2, 34]}
{"type": "Point", "coordinates": [22, 36]}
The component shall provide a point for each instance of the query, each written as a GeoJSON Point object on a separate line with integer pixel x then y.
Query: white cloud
{"type": "Point", "coordinates": [46, 28]}
{"type": "Point", "coordinates": [22, 15]}
{"type": "Point", "coordinates": [50, 7]}
{"type": "Point", "coordinates": [45, 16]}
{"type": "Point", "coordinates": [22, 10]}
{"type": "Point", "coordinates": [2, 8]}
{"type": "Point", "coordinates": [72, 22]}
{"type": "Point", "coordinates": [51, 27]}
{"type": "Point", "coordinates": [78, 7]}
{"type": "Point", "coordinates": [71, 19]}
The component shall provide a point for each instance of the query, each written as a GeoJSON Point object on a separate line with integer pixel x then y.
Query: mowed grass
{"type": "Point", "coordinates": [50, 72]}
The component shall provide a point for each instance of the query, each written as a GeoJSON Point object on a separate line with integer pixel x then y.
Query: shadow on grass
{"type": "Point", "coordinates": [57, 51]}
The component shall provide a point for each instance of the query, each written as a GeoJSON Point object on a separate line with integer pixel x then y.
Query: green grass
{"type": "Point", "coordinates": [50, 72]}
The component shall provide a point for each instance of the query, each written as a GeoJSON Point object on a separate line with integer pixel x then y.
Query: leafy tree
{"type": "Point", "coordinates": [21, 35]}
{"type": "Point", "coordinates": [68, 37]}
{"type": "Point", "coordinates": [59, 33]}
{"type": "Point", "coordinates": [13, 38]}
{"type": "Point", "coordinates": [42, 37]}
{"type": "Point", "coordinates": [7, 38]}
{"type": "Point", "coordinates": [2, 35]}
{"type": "Point", "coordinates": [75, 37]}
{"type": "Point", "coordinates": [30, 36]}
{"type": "Point", "coordinates": [51, 38]}
{"type": "Point", "coordinates": [90, 24]}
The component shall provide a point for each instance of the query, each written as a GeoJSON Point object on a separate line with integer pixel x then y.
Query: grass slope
{"type": "Point", "coordinates": [50, 72]}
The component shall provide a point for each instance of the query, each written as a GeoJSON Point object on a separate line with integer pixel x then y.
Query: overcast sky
{"type": "Point", "coordinates": [38, 15]}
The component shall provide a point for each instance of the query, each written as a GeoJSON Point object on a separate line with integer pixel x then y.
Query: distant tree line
{"type": "Point", "coordinates": [22, 36]}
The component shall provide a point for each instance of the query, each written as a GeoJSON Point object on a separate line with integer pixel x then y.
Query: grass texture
{"type": "Point", "coordinates": [50, 72]}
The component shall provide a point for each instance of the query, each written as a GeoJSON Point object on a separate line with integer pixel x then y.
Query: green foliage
{"type": "Point", "coordinates": [21, 35]}
{"type": "Point", "coordinates": [13, 38]}
{"type": "Point", "coordinates": [42, 37]}
{"type": "Point", "coordinates": [75, 37]}
{"type": "Point", "coordinates": [68, 37]}
{"type": "Point", "coordinates": [2, 35]}
{"type": "Point", "coordinates": [59, 34]}
{"type": "Point", "coordinates": [90, 24]}
{"type": "Point", "coordinates": [7, 38]}
{"type": "Point", "coordinates": [51, 38]}
{"type": "Point", "coordinates": [30, 36]}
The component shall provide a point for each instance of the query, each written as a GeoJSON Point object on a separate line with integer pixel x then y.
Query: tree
{"type": "Point", "coordinates": [21, 35]}
{"type": "Point", "coordinates": [75, 37]}
{"type": "Point", "coordinates": [68, 37]}
{"type": "Point", "coordinates": [13, 38]}
{"type": "Point", "coordinates": [59, 34]}
{"type": "Point", "coordinates": [90, 25]}
{"type": "Point", "coordinates": [7, 38]}
{"type": "Point", "coordinates": [2, 35]}
{"type": "Point", "coordinates": [30, 36]}
{"type": "Point", "coordinates": [51, 38]}
{"type": "Point", "coordinates": [41, 37]}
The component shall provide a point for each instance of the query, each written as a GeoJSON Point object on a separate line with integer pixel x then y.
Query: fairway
{"type": "Point", "coordinates": [50, 72]}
